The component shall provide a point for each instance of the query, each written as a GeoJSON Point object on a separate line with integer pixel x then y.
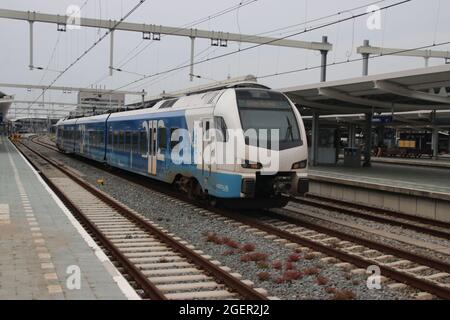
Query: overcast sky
{"type": "Point", "coordinates": [414, 24]}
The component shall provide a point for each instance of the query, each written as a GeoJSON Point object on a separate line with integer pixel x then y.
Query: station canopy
{"type": "Point", "coordinates": [411, 90]}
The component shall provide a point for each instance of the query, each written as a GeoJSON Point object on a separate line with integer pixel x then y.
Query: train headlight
{"type": "Point", "coordinates": [252, 165]}
{"type": "Point", "coordinates": [300, 165]}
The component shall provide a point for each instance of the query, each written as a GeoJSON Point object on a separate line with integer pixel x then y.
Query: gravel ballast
{"type": "Point", "coordinates": [377, 226]}
{"type": "Point", "coordinates": [193, 226]}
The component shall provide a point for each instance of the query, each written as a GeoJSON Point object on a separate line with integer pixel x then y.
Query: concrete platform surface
{"type": "Point", "coordinates": [44, 252]}
{"type": "Point", "coordinates": [423, 179]}
{"type": "Point", "coordinates": [443, 162]}
{"type": "Point", "coordinates": [412, 190]}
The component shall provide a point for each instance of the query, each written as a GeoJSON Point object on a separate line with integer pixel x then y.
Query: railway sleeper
{"type": "Point", "coordinates": [178, 287]}
{"type": "Point", "coordinates": [203, 295]}
{"type": "Point", "coordinates": [178, 279]}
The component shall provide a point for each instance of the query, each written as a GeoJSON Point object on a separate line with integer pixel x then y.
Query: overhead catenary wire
{"type": "Point", "coordinates": [265, 43]}
{"type": "Point", "coordinates": [161, 78]}
{"type": "Point", "coordinates": [189, 25]}
{"type": "Point", "coordinates": [355, 60]}
{"type": "Point", "coordinates": [124, 61]}
{"type": "Point", "coordinates": [243, 3]}
{"type": "Point", "coordinates": [276, 31]}
{"type": "Point", "coordinates": [89, 49]}
{"type": "Point", "coordinates": [56, 46]}
{"type": "Point", "coordinates": [51, 58]}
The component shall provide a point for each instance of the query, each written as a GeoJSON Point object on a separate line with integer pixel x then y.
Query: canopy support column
{"type": "Point", "coordinates": [368, 140]}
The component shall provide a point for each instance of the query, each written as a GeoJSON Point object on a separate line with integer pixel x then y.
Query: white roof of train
{"type": "Point", "coordinates": [203, 100]}
{"type": "Point", "coordinates": [200, 100]}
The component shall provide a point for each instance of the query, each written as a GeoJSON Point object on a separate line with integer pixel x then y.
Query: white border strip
{"type": "Point", "coordinates": [123, 284]}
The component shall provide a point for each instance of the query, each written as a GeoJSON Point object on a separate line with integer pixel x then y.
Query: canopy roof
{"type": "Point", "coordinates": [411, 90]}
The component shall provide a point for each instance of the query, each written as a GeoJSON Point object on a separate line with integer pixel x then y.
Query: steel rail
{"type": "Point", "coordinates": [361, 262]}
{"type": "Point", "coordinates": [375, 210]}
{"type": "Point", "coordinates": [423, 260]}
{"type": "Point", "coordinates": [149, 288]}
{"type": "Point", "coordinates": [422, 284]}
{"type": "Point", "coordinates": [215, 271]}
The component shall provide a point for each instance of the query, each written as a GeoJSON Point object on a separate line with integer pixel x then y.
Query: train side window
{"type": "Point", "coordinates": [101, 138]}
{"type": "Point", "coordinates": [162, 138]}
{"type": "Point", "coordinates": [221, 126]}
{"type": "Point", "coordinates": [120, 141]}
{"type": "Point", "coordinates": [116, 140]}
{"type": "Point", "coordinates": [143, 142]}
{"type": "Point", "coordinates": [173, 143]}
{"type": "Point", "coordinates": [110, 138]}
{"type": "Point", "coordinates": [135, 141]}
{"type": "Point", "coordinates": [127, 141]}
{"type": "Point", "coordinates": [94, 138]}
{"type": "Point", "coordinates": [207, 132]}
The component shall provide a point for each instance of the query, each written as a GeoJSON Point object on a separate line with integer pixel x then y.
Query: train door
{"type": "Point", "coordinates": [153, 146]}
{"type": "Point", "coordinates": [207, 147]}
{"type": "Point", "coordinates": [82, 138]}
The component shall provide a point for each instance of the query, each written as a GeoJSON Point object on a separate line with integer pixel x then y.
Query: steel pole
{"type": "Point", "coordinates": [111, 53]}
{"type": "Point", "coordinates": [192, 59]}
{"type": "Point", "coordinates": [368, 140]}
{"type": "Point", "coordinates": [366, 56]}
{"type": "Point", "coordinates": [31, 46]}
{"type": "Point", "coordinates": [323, 65]}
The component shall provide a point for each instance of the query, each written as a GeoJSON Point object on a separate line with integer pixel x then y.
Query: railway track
{"type": "Point", "coordinates": [419, 224]}
{"type": "Point", "coordinates": [422, 272]}
{"type": "Point", "coordinates": [161, 265]}
{"type": "Point", "coordinates": [401, 266]}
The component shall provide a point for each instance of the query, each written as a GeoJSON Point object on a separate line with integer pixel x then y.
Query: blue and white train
{"type": "Point", "coordinates": [144, 142]}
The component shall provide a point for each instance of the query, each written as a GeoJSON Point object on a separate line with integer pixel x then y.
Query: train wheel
{"type": "Point", "coordinates": [194, 189]}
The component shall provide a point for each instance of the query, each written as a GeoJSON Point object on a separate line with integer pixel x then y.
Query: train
{"type": "Point", "coordinates": [243, 144]}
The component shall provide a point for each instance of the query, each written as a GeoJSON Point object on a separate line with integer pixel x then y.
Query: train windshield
{"type": "Point", "coordinates": [268, 110]}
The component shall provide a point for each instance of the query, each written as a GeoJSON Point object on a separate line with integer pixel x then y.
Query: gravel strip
{"type": "Point", "coordinates": [193, 226]}
{"type": "Point", "coordinates": [373, 224]}
{"type": "Point", "coordinates": [374, 237]}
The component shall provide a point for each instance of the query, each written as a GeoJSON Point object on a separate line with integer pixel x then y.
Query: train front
{"type": "Point", "coordinates": [270, 151]}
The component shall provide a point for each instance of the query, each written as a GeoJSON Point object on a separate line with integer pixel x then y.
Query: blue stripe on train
{"type": "Point", "coordinates": [223, 185]}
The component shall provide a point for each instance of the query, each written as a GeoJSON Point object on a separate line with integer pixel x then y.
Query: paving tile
{"type": "Point", "coordinates": [34, 258]}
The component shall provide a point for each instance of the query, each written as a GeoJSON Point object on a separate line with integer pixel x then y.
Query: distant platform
{"type": "Point", "coordinates": [42, 247]}
{"type": "Point", "coordinates": [416, 190]}
{"type": "Point", "coordinates": [442, 162]}
{"type": "Point", "coordinates": [423, 180]}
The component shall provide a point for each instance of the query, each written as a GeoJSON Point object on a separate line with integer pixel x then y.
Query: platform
{"type": "Point", "coordinates": [415, 190]}
{"type": "Point", "coordinates": [443, 162]}
{"type": "Point", "coordinates": [42, 247]}
{"type": "Point", "coordinates": [398, 177]}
